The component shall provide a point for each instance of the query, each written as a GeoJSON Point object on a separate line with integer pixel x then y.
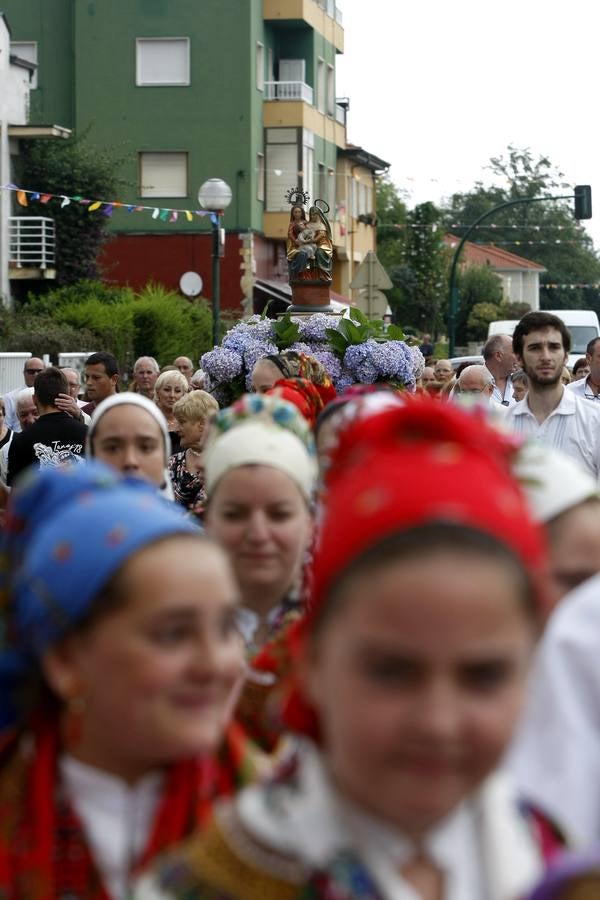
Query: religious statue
{"type": "Point", "coordinates": [309, 252]}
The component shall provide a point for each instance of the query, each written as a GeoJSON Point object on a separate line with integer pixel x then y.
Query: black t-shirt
{"type": "Point", "coordinates": [55, 439]}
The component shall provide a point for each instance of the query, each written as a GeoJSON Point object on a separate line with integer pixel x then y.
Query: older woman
{"type": "Point", "coordinates": [260, 473]}
{"type": "Point", "coordinates": [119, 651]}
{"type": "Point", "coordinates": [170, 387]}
{"type": "Point", "coordinates": [186, 469]}
{"type": "Point", "coordinates": [129, 433]}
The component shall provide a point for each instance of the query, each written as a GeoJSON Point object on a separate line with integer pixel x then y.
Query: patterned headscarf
{"type": "Point", "coordinates": [68, 531]}
{"type": "Point", "coordinates": [292, 364]}
{"type": "Point", "coordinates": [261, 430]}
{"type": "Point", "coordinates": [407, 466]}
{"type": "Point", "coordinates": [302, 393]}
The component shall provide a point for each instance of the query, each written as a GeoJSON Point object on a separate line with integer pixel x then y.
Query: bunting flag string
{"type": "Point", "coordinates": [106, 207]}
{"type": "Point", "coordinates": [594, 285]}
{"type": "Point", "coordinates": [456, 225]}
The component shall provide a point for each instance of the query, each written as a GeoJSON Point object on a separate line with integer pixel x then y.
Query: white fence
{"type": "Point", "coordinates": [11, 371]}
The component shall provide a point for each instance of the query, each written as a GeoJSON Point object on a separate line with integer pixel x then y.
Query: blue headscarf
{"type": "Point", "coordinates": [68, 531]}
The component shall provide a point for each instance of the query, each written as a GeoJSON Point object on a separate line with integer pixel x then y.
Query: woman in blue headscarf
{"type": "Point", "coordinates": [119, 652]}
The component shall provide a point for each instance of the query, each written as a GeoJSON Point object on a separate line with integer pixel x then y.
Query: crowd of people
{"type": "Point", "coordinates": [308, 646]}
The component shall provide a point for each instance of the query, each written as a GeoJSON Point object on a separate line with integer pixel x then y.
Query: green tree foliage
{"type": "Point", "coordinates": [567, 250]}
{"type": "Point", "coordinates": [92, 316]}
{"type": "Point", "coordinates": [76, 169]}
{"type": "Point", "coordinates": [479, 318]}
{"type": "Point", "coordinates": [423, 275]}
{"type": "Point", "coordinates": [476, 285]}
{"type": "Point", "coordinates": [391, 213]}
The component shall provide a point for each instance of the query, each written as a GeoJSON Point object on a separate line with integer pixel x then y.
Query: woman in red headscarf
{"type": "Point", "coordinates": [411, 665]}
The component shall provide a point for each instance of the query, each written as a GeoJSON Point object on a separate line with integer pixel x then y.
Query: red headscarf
{"type": "Point", "coordinates": [407, 466]}
{"type": "Point", "coordinates": [302, 393]}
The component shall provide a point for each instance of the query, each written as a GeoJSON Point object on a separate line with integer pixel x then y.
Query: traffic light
{"type": "Point", "coordinates": [583, 201]}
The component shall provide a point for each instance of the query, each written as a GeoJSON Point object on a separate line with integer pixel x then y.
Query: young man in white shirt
{"type": "Point", "coordinates": [590, 387]}
{"type": "Point", "coordinates": [550, 412]}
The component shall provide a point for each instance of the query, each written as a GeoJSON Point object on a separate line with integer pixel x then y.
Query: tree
{"type": "Point", "coordinates": [477, 285]}
{"type": "Point", "coordinates": [544, 232]}
{"type": "Point", "coordinates": [75, 169]}
{"type": "Point", "coordinates": [425, 270]}
{"type": "Point", "coordinates": [479, 319]}
{"type": "Point", "coordinates": [391, 233]}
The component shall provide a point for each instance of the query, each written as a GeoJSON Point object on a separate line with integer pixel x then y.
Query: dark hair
{"type": "Point", "coordinates": [591, 344]}
{"type": "Point", "coordinates": [107, 360]}
{"type": "Point", "coordinates": [582, 362]}
{"type": "Point", "coordinates": [49, 384]}
{"type": "Point", "coordinates": [538, 321]}
{"type": "Point", "coordinates": [422, 541]}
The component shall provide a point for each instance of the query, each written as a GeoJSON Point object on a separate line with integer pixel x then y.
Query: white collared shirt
{"type": "Point", "coordinates": [506, 398]}
{"type": "Point", "coordinates": [581, 388]}
{"type": "Point", "coordinates": [116, 819]}
{"type": "Point", "coordinates": [573, 427]}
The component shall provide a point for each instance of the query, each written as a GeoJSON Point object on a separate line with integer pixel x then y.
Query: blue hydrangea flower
{"type": "Point", "coordinates": [254, 351]}
{"type": "Point", "coordinates": [221, 364]}
{"type": "Point", "coordinates": [328, 360]}
{"type": "Point", "coordinates": [312, 329]}
{"type": "Point", "coordinates": [250, 332]}
{"type": "Point", "coordinates": [359, 362]}
{"type": "Point", "coordinates": [418, 361]}
{"type": "Point", "coordinates": [343, 382]}
{"type": "Point", "coordinates": [300, 347]}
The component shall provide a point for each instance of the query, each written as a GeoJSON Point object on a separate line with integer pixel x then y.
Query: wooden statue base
{"type": "Point", "coordinates": [310, 297]}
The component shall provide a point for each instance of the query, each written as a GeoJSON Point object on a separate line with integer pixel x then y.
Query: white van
{"type": "Point", "coordinates": [582, 323]}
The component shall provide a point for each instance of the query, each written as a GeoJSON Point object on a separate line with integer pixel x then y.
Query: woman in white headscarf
{"type": "Point", "coordinates": [129, 433]}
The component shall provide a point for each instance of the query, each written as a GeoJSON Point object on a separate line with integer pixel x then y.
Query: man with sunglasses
{"type": "Point", "coordinates": [33, 366]}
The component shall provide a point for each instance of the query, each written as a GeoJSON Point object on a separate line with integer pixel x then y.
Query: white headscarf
{"type": "Point", "coordinates": [128, 398]}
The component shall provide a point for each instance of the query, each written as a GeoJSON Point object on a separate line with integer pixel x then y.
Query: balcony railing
{"type": "Point", "coordinates": [288, 90]}
{"type": "Point", "coordinates": [340, 114]}
{"type": "Point", "coordinates": [32, 242]}
{"type": "Point", "coordinates": [331, 9]}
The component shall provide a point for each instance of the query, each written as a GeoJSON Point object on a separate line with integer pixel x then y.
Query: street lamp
{"type": "Point", "coordinates": [215, 196]}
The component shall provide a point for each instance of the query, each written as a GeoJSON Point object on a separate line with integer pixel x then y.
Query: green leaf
{"type": "Point", "coordinates": [357, 315]}
{"type": "Point", "coordinates": [395, 333]}
{"type": "Point", "coordinates": [337, 341]}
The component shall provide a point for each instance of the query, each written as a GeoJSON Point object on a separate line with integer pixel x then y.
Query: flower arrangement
{"type": "Point", "coordinates": [354, 350]}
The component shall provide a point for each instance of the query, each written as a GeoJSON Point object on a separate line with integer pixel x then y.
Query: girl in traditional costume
{"type": "Point", "coordinates": [119, 653]}
{"type": "Point", "coordinates": [411, 666]}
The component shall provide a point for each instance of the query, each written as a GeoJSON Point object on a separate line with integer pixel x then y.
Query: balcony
{"type": "Point", "coordinates": [322, 15]}
{"type": "Point", "coordinates": [288, 90]}
{"type": "Point", "coordinates": [31, 252]}
{"type": "Point", "coordinates": [331, 9]}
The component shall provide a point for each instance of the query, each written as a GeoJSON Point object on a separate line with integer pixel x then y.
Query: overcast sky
{"type": "Point", "coordinates": [437, 88]}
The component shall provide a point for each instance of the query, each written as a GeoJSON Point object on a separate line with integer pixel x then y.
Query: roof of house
{"type": "Point", "coordinates": [364, 158]}
{"type": "Point", "coordinates": [489, 254]}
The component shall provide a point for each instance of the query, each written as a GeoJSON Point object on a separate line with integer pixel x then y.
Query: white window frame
{"type": "Point", "coordinates": [321, 83]}
{"type": "Point", "coordinates": [140, 41]}
{"type": "Point", "coordinates": [15, 46]}
{"type": "Point", "coordinates": [151, 192]}
{"type": "Point", "coordinates": [330, 102]}
{"type": "Point", "coordinates": [260, 184]}
{"type": "Point", "coordinates": [282, 149]}
{"type": "Point", "coordinates": [260, 66]}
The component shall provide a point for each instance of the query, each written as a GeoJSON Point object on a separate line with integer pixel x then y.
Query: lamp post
{"type": "Point", "coordinates": [215, 196]}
